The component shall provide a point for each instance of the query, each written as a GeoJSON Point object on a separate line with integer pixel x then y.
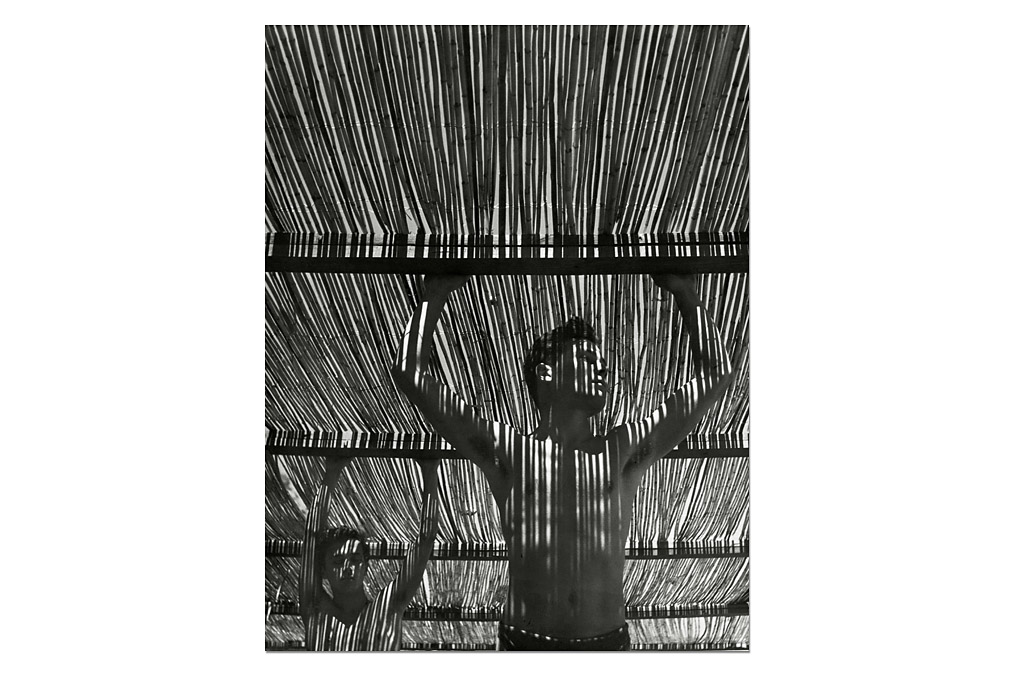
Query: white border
{"type": "Point", "coordinates": [880, 232]}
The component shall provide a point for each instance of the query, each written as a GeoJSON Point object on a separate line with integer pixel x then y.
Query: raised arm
{"type": "Point", "coordinates": [415, 563]}
{"type": "Point", "coordinates": [457, 422]}
{"type": "Point", "coordinates": [316, 525]}
{"type": "Point", "coordinates": [659, 433]}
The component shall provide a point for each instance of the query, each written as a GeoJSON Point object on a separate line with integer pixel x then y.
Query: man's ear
{"type": "Point", "coordinates": [544, 373]}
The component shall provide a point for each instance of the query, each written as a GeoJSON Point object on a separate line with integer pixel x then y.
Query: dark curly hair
{"type": "Point", "coordinates": [548, 348]}
{"type": "Point", "coordinates": [335, 535]}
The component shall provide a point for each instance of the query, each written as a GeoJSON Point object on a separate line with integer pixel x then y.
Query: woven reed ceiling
{"type": "Point", "coordinates": [505, 131]}
{"type": "Point", "coordinates": [331, 339]}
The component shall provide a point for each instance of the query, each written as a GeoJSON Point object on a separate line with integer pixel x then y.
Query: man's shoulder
{"type": "Point", "coordinates": [384, 601]}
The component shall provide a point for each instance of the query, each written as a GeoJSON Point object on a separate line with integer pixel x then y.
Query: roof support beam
{"type": "Point", "coordinates": [695, 253]}
{"type": "Point", "coordinates": [299, 645]}
{"type": "Point", "coordinates": [390, 445]}
{"type": "Point", "coordinates": [464, 551]}
{"type": "Point", "coordinates": [493, 614]}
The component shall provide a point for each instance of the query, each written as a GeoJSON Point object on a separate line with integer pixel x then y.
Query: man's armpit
{"type": "Point", "coordinates": [482, 445]}
{"type": "Point", "coordinates": [641, 453]}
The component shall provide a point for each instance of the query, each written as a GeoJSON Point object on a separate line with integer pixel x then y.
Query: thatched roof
{"type": "Point", "coordinates": [524, 135]}
{"type": "Point", "coordinates": [506, 130]}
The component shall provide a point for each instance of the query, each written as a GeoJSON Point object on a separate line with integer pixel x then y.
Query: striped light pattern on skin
{"type": "Point", "coordinates": [378, 625]}
{"type": "Point", "coordinates": [508, 131]}
{"type": "Point", "coordinates": [341, 615]}
{"type": "Point", "coordinates": [564, 493]}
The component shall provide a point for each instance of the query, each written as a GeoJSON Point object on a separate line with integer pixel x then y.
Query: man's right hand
{"type": "Point", "coordinates": [441, 286]}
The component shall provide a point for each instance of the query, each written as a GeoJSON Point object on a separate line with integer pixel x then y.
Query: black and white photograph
{"type": "Point", "coordinates": [507, 338]}
{"type": "Point", "coordinates": [419, 333]}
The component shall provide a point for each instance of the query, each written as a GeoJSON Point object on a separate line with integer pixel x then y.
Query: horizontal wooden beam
{"type": "Point", "coordinates": [427, 647]}
{"type": "Point", "coordinates": [280, 646]}
{"type": "Point", "coordinates": [695, 253]}
{"type": "Point", "coordinates": [670, 647]}
{"type": "Point", "coordinates": [493, 614]}
{"type": "Point", "coordinates": [498, 552]}
{"type": "Point", "coordinates": [688, 647]}
{"type": "Point", "coordinates": [665, 612]}
{"type": "Point", "coordinates": [389, 445]}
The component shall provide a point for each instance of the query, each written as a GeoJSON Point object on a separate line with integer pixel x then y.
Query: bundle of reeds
{"type": "Point", "coordinates": [506, 130]}
{"type": "Point", "coordinates": [513, 132]}
{"type": "Point", "coordinates": [330, 341]}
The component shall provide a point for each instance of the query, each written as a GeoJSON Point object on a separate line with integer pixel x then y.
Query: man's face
{"type": "Point", "coordinates": [345, 565]}
{"type": "Point", "coordinates": [581, 378]}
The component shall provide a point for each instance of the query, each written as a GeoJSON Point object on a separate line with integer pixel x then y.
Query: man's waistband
{"type": "Point", "coordinates": [515, 638]}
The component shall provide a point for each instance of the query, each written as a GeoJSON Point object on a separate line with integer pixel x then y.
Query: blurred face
{"type": "Point", "coordinates": [581, 378]}
{"type": "Point", "coordinates": [345, 565]}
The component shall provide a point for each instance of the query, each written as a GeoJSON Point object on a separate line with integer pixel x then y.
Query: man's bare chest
{"type": "Point", "coordinates": [546, 472]}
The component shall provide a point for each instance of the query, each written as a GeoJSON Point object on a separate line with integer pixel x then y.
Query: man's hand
{"type": "Point", "coordinates": [706, 347]}
{"type": "Point", "coordinates": [442, 286]}
{"type": "Point", "coordinates": [676, 284]}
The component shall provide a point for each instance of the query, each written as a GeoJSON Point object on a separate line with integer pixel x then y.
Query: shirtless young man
{"type": "Point", "coordinates": [564, 495]}
{"type": "Point", "coordinates": [347, 619]}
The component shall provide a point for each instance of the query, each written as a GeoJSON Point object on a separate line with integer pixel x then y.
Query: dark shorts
{"type": "Point", "coordinates": [512, 638]}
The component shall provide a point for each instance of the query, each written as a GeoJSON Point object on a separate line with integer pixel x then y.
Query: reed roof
{"type": "Point", "coordinates": [511, 132]}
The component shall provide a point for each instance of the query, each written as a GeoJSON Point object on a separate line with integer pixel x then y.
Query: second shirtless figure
{"type": "Point", "coordinates": [564, 494]}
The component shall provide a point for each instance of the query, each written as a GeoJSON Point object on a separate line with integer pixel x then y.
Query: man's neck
{"type": "Point", "coordinates": [346, 606]}
{"type": "Point", "coordinates": [569, 428]}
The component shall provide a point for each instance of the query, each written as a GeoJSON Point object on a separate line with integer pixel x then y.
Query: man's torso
{"type": "Point", "coordinates": [565, 518]}
{"type": "Point", "coordinates": [376, 628]}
